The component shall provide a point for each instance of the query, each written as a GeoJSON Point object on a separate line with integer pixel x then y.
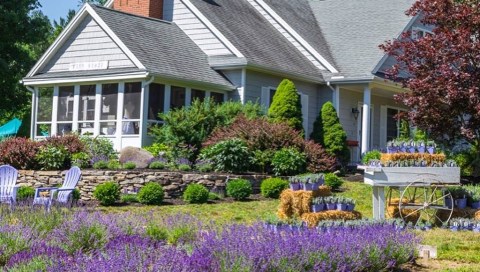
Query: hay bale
{"type": "Point", "coordinates": [458, 213]}
{"type": "Point", "coordinates": [312, 219]}
{"type": "Point", "coordinates": [477, 215]}
{"type": "Point", "coordinates": [296, 203]}
{"type": "Point", "coordinates": [393, 211]}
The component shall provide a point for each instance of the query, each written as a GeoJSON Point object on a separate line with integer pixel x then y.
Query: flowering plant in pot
{"type": "Point", "coordinates": [459, 196]}
{"type": "Point", "coordinates": [411, 147]}
{"type": "Point", "coordinates": [476, 226]}
{"type": "Point", "coordinates": [431, 146]}
{"type": "Point", "coordinates": [318, 204]}
{"type": "Point", "coordinates": [295, 184]}
{"type": "Point", "coordinates": [473, 193]}
{"type": "Point", "coordinates": [342, 204]}
{"type": "Point", "coordinates": [350, 204]}
{"type": "Point", "coordinates": [421, 147]}
{"type": "Point", "coordinates": [331, 203]}
{"type": "Point", "coordinates": [311, 182]}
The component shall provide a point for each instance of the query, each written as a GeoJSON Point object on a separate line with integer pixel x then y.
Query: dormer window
{"type": "Point", "coordinates": [418, 33]}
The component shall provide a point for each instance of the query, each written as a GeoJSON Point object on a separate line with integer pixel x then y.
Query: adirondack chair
{"type": "Point", "coordinates": [61, 194]}
{"type": "Point", "coordinates": [8, 189]}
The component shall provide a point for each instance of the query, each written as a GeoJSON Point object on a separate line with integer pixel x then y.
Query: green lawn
{"type": "Point", "coordinates": [457, 251]}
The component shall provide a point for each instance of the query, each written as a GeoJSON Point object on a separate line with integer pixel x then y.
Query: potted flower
{"type": "Point", "coordinates": [318, 204]}
{"type": "Point", "coordinates": [454, 226]}
{"type": "Point", "coordinates": [475, 197]}
{"type": "Point", "coordinates": [428, 225]}
{"type": "Point", "coordinates": [391, 147]}
{"type": "Point", "coordinates": [331, 203]}
{"type": "Point", "coordinates": [350, 204]}
{"type": "Point", "coordinates": [411, 147]}
{"type": "Point", "coordinates": [421, 147]}
{"type": "Point", "coordinates": [342, 204]}
{"type": "Point", "coordinates": [308, 184]}
{"type": "Point", "coordinates": [459, 197]}
{"type": "Point", "coordinates": [431, 146]}
{"type": "Point", "coordinates": [476, 227]}
{"type": "Point", "coordinates": [403, 147]}
{"type": "Point", "coordinates": [295, 184]}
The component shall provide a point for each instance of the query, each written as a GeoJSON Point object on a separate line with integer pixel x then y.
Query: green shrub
{"type": "Point", "coordinates": [100, 165]}
{"type": "Point", "coordinates": [228, 156]}
{"type": "Point", "coordinates": [204, 166]}
{"type": "Point", "coordinates": [239, 189]}
{"type": "Point", "coordinates": [99, 147]}
{"type": "Point", "coordinates": [286, 106]}
{"type": "Point", "coordinates": [86, 238]}
{"type": "Point", "coordinates": [107, 193]}
{"type": "Point", "coordinates": [213, 196]}
{"type": "Point", "coordinates": [184, 167]}
{"type": "Point", "coordinates": [331, 134]}
{"type": "Point", "coordinates": [114, 165]}
{"type": "Point", "coordinates": [129, 198]}
{"type": "Point", "coordinates": [51, 157]}
{"type": "Point", "coordinates": [76, 194]}
{"type": "Point", "coordinates": [263, 160]}
{"type": "Point", "coordinates": [81, 159]}
{"type": "Point", "coordinates": [157, 165]}
{"type": "Point", "coordinates": [159, 149]}
{"type": "Point", "coordinates": [333, 181]}
{"type": "Point", "coordinates": [371, 155]}
{"type": "Point", "coordinates": [195, 193]}
{"type": "Point", "coordinates": [272, 187]}
{"type": "Point", "coordinates": [129, 165]}
{"type": "Point", "coordinates": [288, 162]}
{"type": "Point", "coordinates": [404, 132]}
{"type": "Point", "coordinates": [157, 232]}
{"type": "Point", "coordinates": [151, 194]}
{"type": "Point", "coordinates": [465, 160]}
{"type": "Point", "coordinates": [25, 192]}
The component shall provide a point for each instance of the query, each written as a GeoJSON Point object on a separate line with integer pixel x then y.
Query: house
{"type": "Point", "coordinates": [114, 68]}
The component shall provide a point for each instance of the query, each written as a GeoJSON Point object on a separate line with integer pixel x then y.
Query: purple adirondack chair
{"type": "Point", "coordinates": [62, 194]}
{"type": "Point", "coordinates": [8, 189]}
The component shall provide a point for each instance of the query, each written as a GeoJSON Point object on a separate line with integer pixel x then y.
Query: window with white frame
{"type": "Point", "coordinates": [44, 112]}
{"type": "Point", "coordinates": [65, 110]}
{"type": "Point", "coordinates": [393, 124]}
{"type": "Point", "coordinates": [131, 108]}
{"type": "Point", "coordinates": [267, 96]}
{"type": "Point", "coordinates": [86, 109]}
{"type": "Point", "coordinates": [108, 111]}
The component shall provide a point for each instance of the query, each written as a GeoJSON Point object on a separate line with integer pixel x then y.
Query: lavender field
{"type": "Point", "coordinates": [31, 240]}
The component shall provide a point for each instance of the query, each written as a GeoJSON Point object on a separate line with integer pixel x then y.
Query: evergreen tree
{"type": "Point", "coordinates": [404, 130]}
{"type": "Point", "coordinates": [286, 106]}
{"type": "Point", "coordinates": [317, 133]}
{"type": "Point", "coordinates": [334, 138]}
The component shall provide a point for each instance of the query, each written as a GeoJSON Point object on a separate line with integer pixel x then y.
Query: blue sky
{"type": "Point", "coordinates": [55, 9]}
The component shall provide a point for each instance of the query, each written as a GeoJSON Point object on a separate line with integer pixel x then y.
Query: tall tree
{"type": "Point", "coordinates": [442, 70]}
{"type": "Point", "coordinates": [24, 35]}
{"type": "Point", "coordinates": [333, 137]}
{"type": "Point", "coordinates": [286, 106]}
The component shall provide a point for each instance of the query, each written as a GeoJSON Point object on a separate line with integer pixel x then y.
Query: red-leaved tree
{"type": "Point", "coordinates": [442, 70]}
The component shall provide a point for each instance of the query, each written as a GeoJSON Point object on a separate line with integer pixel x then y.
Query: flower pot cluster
{"type": "Point", "coordinates": [415, 160]}
{"type": "Point", "coordinates": [320, 204]}
{"type": "Point", "coordinates": [411, 147]}
{"type": "Point", "coordinates": [458, 224]}
{"type": "Point", "coordinates": [309, 182]}
{"type": "Point", "coordinates": [464, 196]}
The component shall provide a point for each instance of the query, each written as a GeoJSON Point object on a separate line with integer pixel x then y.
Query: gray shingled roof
{"type": "Point", "coordinates": [300, 17]}
{"type": "Point", "coordinates": [162, 47]}
{"type": "Point", "coordinates": [260, 43]}
{"type": "Point", "coordinates": [355, 28]}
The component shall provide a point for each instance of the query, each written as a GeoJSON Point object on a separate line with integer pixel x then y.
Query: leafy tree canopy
{"type": "Point", "coordinates": [24, 35]}
{"type": "Point", "coordinates": [442, 71]}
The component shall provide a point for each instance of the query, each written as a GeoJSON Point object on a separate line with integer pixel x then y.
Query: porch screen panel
{"type": "Point", "coordinates": [131, 108]}
{"type": "Point", "coordinates": [44, 112]}
{"type": "Point", "coordinates": [177, 97]}
{"type": "Point", "coordinates": [65, 110]}
{"type": "Point", "coordinates": [156, 101]}
{"type": "Point", "coordinates": [108, 109]}
{"type": "Point", "coordinates": [86, 109]}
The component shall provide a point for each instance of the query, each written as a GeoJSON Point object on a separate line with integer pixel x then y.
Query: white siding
{"type": "Point", "coordinates": [286, 34]}
{"type": "Point", "coordinates": [235, 76]}
{"type": "Point", "coordinates": [257, 80]}
{"type": "Point", "coordinates": [89, 43]}
{"type": "Point", "coordinates": [198, 31]}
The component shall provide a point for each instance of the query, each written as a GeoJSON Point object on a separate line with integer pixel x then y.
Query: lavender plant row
{"type": "Point", "coordinates": [87, 241]}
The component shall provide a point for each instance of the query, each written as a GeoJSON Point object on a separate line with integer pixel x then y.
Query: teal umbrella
{"type": "Point", "coordinates": [10, 128]}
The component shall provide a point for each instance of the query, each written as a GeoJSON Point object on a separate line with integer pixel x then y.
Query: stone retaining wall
{"type": "Point", "coordinates": [173, 182]}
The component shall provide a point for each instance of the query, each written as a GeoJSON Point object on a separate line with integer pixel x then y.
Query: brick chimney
{"type": "Point", "coordinates": [146, 8]}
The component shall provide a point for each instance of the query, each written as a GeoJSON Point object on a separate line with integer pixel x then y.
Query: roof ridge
{"type": "Point", "coordinates": [130, 14]}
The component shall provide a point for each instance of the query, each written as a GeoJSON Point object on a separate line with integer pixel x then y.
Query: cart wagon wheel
{"type": "Point", "coordinates": [422, 200]}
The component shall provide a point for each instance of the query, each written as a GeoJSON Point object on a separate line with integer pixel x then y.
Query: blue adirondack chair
{"type": "Point", "coordinates": [62, 194]}
{"type": "Point", "coordinates": [8, 189]}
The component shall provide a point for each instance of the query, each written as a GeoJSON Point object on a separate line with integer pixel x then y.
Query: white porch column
{"type": "Point", "coordinates": [168, 97]}
{"type": "Point", "coordinates": [144, 112]}
{"type": "Point", "coordinates": [188, 97]}
{"type": "Point", "coordinates": [53, 130]}
{"type": "Point", "coordinates": [336, 98]}
{"type": "Point", "coordinates": [367, 97]}
{"type": "Point", "coordinates": [98, 109]}
{"type": "Point", "coordinates": [33, 121]}
{"type": "Point", "coordinates": [120, 102]}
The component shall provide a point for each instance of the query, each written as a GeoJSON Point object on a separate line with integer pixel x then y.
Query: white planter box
{"type": "Point", "coordinates": [403, 176]}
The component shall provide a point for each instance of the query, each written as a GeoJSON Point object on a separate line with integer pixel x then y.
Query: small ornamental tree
{"type": "Point", "coordinates": [334, 138]}
{"type": "Point", "coordinates": [286, 106]}
{"type": "Point", "coordinates": [442, 71]}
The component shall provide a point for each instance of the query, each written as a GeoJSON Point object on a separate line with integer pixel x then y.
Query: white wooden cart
{"type": "Point", "coordinates": [423, 191]}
